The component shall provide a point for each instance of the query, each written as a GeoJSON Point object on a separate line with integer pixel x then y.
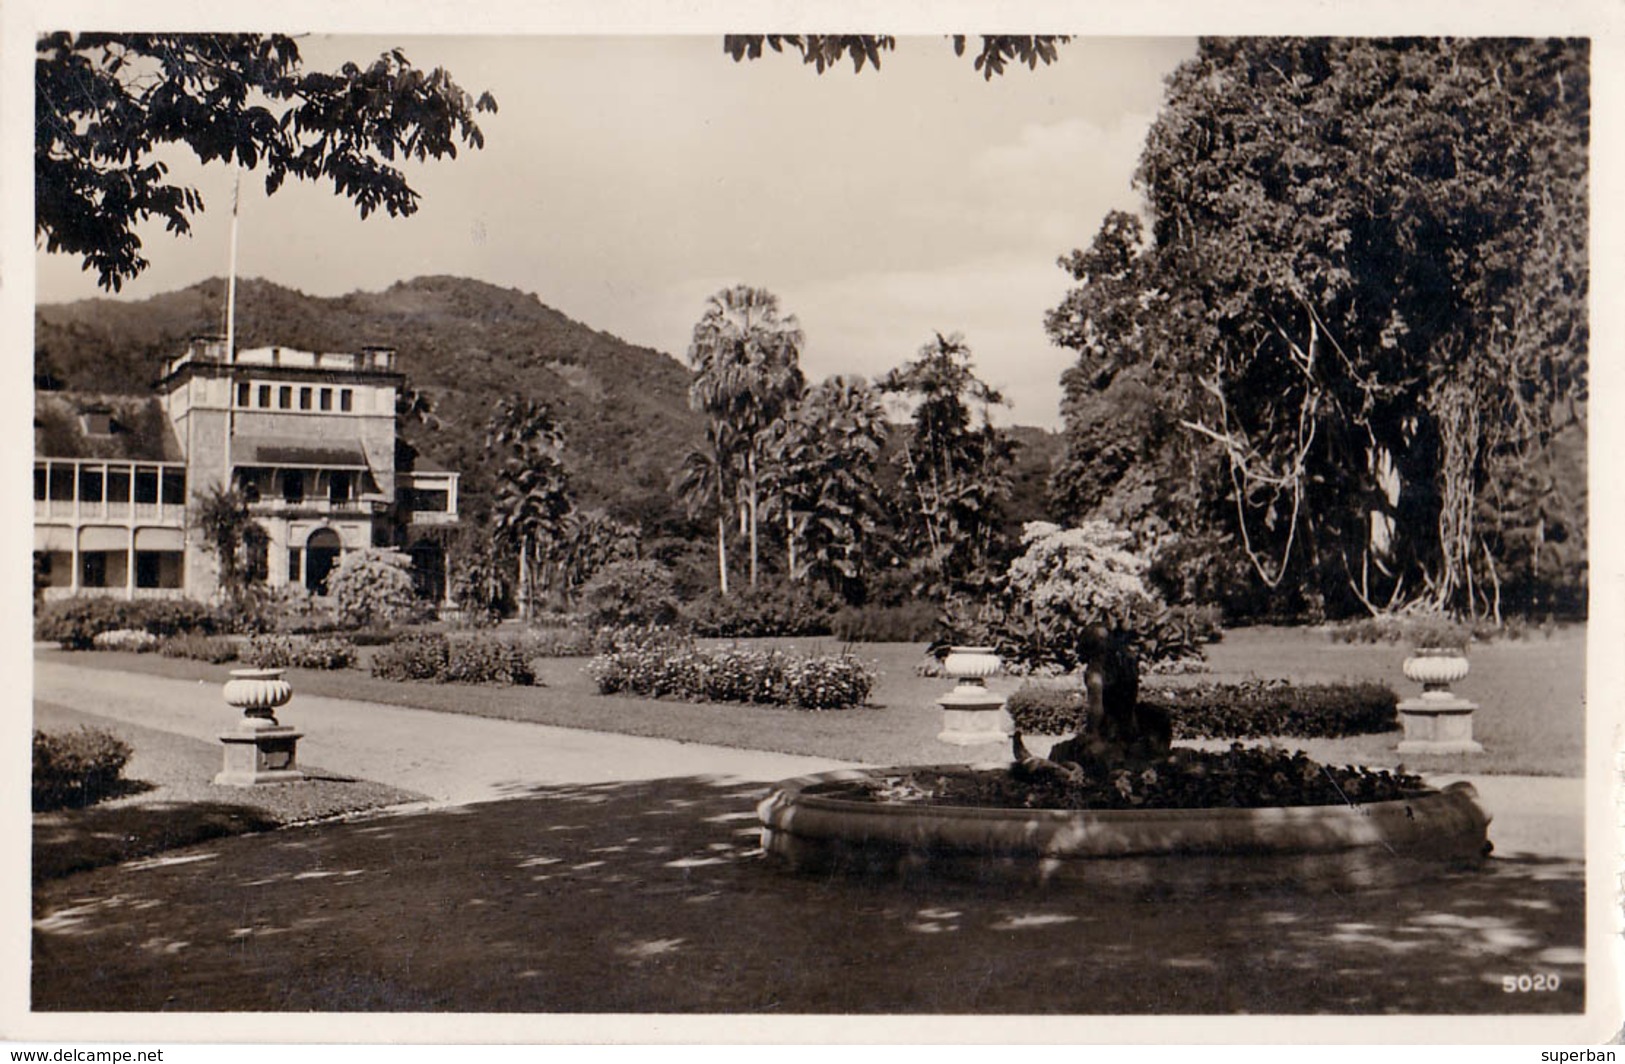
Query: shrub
{"type": "Point", "coordinates": [422, 656]}
{"type": "Point", "coordinates": [372, 587]}
{"type": "Point", "coordinates": [131, 639]}
{"type": "Point", "coordinates": [76, 768]}
{"type": "Point", "coordinates": [75, 622]}
{"type": "Point", "coordinates": [735, 675]}
{"type": "Point", "coordinates": [485, 658]}
{"type": "Point", "coordinates": [298, 651]}
{"type": "Point", "coordinates": [210, 648]}
{"type": "Point", "coordinates": [1250, 710]}
{"type": "Point", "coordinates": [1046, 709]}
{"type": "Point", "coordinates": [765, 612]}
{"type": "Point", "coordinates": [1276, 708]}
{"type": "Point", "coordinates": [630, 593]}
{"type": "Point", "coordinates": [911, 622]}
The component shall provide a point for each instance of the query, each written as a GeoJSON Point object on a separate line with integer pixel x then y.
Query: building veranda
{"type": "Point", "coordinates": [309, 439]}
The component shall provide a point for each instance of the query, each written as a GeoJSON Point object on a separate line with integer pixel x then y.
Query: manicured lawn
{"type": "Point", "coordinates": [1531, 696]}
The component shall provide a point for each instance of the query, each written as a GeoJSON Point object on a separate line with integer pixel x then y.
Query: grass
{"type": "Point", "coordinates": [169, 800]}
{"type": "Point", "coordinates": [1530, 693]}
{"type": "Point", "coordinates": [653, 897]}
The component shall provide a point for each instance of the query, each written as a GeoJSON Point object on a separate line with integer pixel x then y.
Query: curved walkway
{"type": "Point", "coordinates": [452, 758]}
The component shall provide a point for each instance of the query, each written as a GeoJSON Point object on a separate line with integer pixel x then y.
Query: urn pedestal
{"type": "Point", "coordinates": [1437, 721]}
{"type": "Point", "coordinates": [260, 750]}
{"type": "Point", "coordinates": [971, 714]}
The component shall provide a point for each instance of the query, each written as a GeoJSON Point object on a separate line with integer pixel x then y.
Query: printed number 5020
{"type": "Point", "coordinates": [1523, 984]}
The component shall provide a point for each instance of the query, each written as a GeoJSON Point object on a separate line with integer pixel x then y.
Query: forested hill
{"type": "Point", "coordinates": [466, 344]}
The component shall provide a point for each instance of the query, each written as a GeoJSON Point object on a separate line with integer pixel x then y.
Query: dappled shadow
{"type": "Point", "coordinates": [68, 841]}
{"type": "Point", "coordinates": [655, 896]}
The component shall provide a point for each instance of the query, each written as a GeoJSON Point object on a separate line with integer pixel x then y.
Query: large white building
{"type": "Point", "coordinates": [309, 438]}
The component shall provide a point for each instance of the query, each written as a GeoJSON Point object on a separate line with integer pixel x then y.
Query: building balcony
{"type": "Point", "coordinates": [318, 507]}
{"type": "Point", "coordinates": [79, 511]}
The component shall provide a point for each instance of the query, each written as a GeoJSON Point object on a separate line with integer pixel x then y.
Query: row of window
{"type": "Point", "coordinates": [100, 568]}
{"type": "Point", "coordinates": [340, 484]}
{"type": "Point", "coordinates": [308, 397]}
{"type": "Point", "coordinates": [117, 484]}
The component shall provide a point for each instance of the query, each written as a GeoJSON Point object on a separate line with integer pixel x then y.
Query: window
{"type": "Point", "coordinates": [293, 486]}
{"type": "Point", "coordinates": [327, 398]}
{"type": "Point", "coordinates": [284, 397]}
{"type": "Point", "coordinates": [293, 565]}
{"type": "Point", "coordinates": [338, 487]}
{"type": "Point", "coordinates": [93, 569]}
{"type": "Point", "coordinates": [304, 398]}
{"type": "Point", "coordinates": [62, 483]}
{"type": "Point", "coordinates": [39, 483]}
{"type": "Point", "coordinates": [146, 484]}
{"type": "Point", "coordinates": [148, 568]}
{"type": "Point", "coordinates": [427, 500]}
{"type": "Point", "coordinates": [90, 485]}
{"type": "Point", "coordinates": [344, 400]}
{"type": "Point", "coordinates": [118, 485]}
{"type": "Point", "coordinates": [265, 396]}
{"type": "Point", "coordinates": [174, 487]}
{"type": "Point", "coordinates": [243, 390]}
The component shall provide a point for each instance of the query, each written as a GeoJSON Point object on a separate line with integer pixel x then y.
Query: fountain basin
{"type": "Point", "coordinates": [810, 826]}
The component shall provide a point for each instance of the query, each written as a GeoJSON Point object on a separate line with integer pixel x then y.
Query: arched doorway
{"type": "Point", "coordinates": [322, 552]}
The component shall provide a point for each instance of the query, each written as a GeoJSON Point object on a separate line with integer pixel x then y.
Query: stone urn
{"type": "Point", "coordinates": [260, 750]}
{"type": "Point", "coordinates": [1437, 721]}
{"type": "Point", "coordinates": [258, 693]}
{"type": "Point", "coordinates": [1436, 668]}
{"type": "Point", "coordinates": [971, 714]}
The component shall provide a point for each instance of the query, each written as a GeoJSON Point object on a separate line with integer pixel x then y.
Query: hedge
{"type": "Point", "coordinates": [75, 622]}
{"type": "Point", "coordinates": [76, 768]}
{"type": "Point", "coordinates": [297, 651]}
{"type": "Point", "coordinates": [1249, 710]}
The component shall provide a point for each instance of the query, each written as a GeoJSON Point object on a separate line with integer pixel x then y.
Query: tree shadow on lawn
{"type": "Point", "coordinates": [655, 897]}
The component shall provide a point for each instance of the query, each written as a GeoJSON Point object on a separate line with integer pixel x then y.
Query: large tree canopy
{"type": "Point", "coordinates": [1364, 298]}
{"type": "Point", "coordinates": [105, 104]}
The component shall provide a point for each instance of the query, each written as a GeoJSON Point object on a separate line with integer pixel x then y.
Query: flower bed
{"type": "Point", "coordinates": [437, 658]}
{"type": "Point", "coordinates": [297, 651]}
{"type": "Point", "coordinates": [769, 677]}
{"type": "Point", "coordinates": [1238, 778]}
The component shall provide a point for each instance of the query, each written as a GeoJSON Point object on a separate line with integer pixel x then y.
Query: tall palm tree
{"type": "Point", "coordinates": [746, 358]}
{"type": "Point", "coordinates": [533, 488]}
{"type": "Point", "coordinates": [706, 481]}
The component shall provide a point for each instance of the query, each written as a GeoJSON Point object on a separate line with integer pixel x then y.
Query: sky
{"type": "Point", "coordinates": [627, 178]}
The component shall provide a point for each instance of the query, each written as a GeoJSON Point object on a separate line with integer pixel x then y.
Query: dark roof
{"type": "Point", "coordinates": [140, 430]}
{"type": "Point", "coordinates": [284, 451]}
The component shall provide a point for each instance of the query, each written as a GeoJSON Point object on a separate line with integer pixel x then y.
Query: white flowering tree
{"type": "Point", "coordinates": [372, 587]}
{"type": "Point", "coordinates": [1069, 579]}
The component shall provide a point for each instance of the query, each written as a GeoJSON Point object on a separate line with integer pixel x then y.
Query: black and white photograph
{"type": "Point", "coordinates": [655, 532]}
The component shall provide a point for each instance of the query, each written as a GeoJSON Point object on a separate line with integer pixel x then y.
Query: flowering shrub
{"type": "Point", "coordinates": [478, 658]}
{"type": "Point", "coordinates": [1067, 581]}
{"type": "Point", "coordinates": [210, 648]}
{"type": "Point", "coordinates": [416, 657]}
{"type": "Point", "coordinates": [770, 677]}
{"type": "Point", "coordinates": [76, 768]}
{"type": "Point", "coordinates": [132, 639]}
{"type": "Point", "coordinates": [372, 587]}
{"type": "Point", "coordinates": [484, 658]}
{"type": "Point", "coordinates": [297, 651]}
{"type": "Point", "coordinates": [564, 641]}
